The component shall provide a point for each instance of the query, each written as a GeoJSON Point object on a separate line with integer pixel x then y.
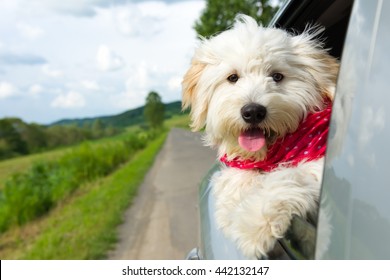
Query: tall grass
{"type": "Point", "coordinates": [11, 166]}
{"type": "Point", "coordinates": [32, 193]}
{"type": "Point", "coordinates": [86, 226]}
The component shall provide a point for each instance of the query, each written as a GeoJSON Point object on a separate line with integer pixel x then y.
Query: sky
{"type": "Point", "coordinates": [87, 58]}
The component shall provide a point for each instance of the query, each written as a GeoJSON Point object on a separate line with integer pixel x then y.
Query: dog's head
{"type": "Point", "coordinates": [251, 85]}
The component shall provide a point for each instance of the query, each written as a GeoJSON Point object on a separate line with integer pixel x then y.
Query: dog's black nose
{"type": "Point", "coordinates": [253, 113]}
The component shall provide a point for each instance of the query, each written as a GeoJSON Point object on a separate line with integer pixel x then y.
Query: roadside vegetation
{"type": "Point", "coordinates": [33, 193]}
{"type": "Point", "coordinates": [18, 138]}
{"type": "Point", "coordinates": [86, 227]}
{"type": "Point", "coordinates": [69, 207]}
{"type": "Point", "coordinates": [10, 166]}
{"type": "Point", "coordinates": [67, 203]}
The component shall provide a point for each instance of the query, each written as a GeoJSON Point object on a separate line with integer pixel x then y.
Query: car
{"type": "Point", "coordinates": [354, 213]}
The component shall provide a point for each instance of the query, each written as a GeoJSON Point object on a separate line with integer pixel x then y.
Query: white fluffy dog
{"type": "Point", "coordinates": [264, 96]}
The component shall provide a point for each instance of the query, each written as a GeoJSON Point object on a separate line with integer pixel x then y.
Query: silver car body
{"type": "Point", "coordinates": [355, 200]}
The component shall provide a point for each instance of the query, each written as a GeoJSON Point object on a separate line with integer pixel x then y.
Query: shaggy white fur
{"type": "Point", "coordinates": [236, 68]}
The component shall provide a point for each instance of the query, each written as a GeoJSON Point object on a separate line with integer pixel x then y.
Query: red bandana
{"type": "Point", "coordinates": [307, 143]}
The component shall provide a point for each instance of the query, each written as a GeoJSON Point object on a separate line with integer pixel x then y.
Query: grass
{"type": "Point", "coordinates": [34, 192]}
{"type": "Point", "coordinates": [181, 121]}
{"type": "Point", "coordinates": [85, 226]}
{"type": "Point", "coordinates": [10, 166]}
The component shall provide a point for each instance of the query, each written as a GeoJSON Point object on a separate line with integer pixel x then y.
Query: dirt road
{"type": "Point", "coordinates": [162, 222]}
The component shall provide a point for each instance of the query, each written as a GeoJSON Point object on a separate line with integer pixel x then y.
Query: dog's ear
{"type": "Point", "coordinates": [191, 96]}
{"type": "Point", "coordinates": [322, 66]}
{"type": "Point", "coordinates": [326, 74]}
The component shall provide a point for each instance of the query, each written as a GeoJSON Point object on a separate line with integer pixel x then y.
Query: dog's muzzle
{"type": "Point", "coordinates": [253, 113]}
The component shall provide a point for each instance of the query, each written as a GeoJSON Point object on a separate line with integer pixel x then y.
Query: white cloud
{"type": "Point", "coordinates": [72, 99]}
{"type": "Point", "coordinates": [51, 72]}
{"type": "Point", "coordinates": [90, 85]}
{"type": "Point", "coordinates": [28, 31]}
{"type": "Point", "coordinates": [69, 56]}
{"type": "Point", "coordinates": [107, 60]}
{"type": "Point", "coordinates": [141, 76]}
{"type": "Point", "coordinates": [127, 21]}
{"type": "Point", "coordinates": [141, 20]}
{"type": "Point", "coordinates": [174, 83]}
{"type": "Point", "coordinates": [128, 99]}
{"type": "Point", "coordinates": [143, 79]}
{"type": "Point", "coordinates": [35, 90]}
{"type": "Point", "coordinates": [7, 90]}
{"type": "Point", "coordinates": [21, 59]}
{"type": "Point", "coordinates": [78, 8]}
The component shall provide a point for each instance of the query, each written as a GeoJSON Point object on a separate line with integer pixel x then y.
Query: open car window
{"type": "Point", "coordinates": [300, 240]}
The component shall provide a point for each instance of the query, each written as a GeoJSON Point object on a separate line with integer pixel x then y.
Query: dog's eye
{"type": "Point", "coordinates": [277, 77]}
{"type": "Point", "coordinates": [233, 78]}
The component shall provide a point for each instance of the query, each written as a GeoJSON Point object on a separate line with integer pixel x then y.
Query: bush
{"type": "Point", "coordinates": [25, 196]}
{"type": "Point", "coordinates": [33, 193]}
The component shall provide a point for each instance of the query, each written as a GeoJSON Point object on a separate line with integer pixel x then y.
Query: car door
{"type": "Point", "coordinates": [354, 220]}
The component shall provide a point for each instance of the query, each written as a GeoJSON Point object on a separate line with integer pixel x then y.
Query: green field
{"type": "Point", "coordinates": [80, 221]}
{"type": "Point", "coordinates": [11, 166]}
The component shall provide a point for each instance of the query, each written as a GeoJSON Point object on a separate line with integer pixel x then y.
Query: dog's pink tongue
{"type": "Point", "coordinates": [252, 140]}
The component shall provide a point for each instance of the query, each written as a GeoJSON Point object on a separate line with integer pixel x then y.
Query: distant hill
{"type": "Point", "coordinates": [130, 117]}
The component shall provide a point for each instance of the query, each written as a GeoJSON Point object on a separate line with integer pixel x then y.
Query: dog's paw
{"type": "Point", "coordinates": [279, 225]}
{"type": "Point", "coordinates": [263, 246]}
{"type": "Point", "coordinates": [263, 237]}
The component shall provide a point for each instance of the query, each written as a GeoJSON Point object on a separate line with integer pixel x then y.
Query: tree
{"type": "Point", "coordinates": [154, 110]}
{"type": "Point", "coordinates": [35, 137]}
{"type": "Point", "coordinates": [11, 141]}
{"type": "Point", "coordinates": [219, 15]}
{"type": "Point", "coordinates": [98, 128]}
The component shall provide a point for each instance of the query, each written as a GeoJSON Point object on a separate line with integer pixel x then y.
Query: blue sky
{"type": "Point", "coordinates": [85, 58]}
